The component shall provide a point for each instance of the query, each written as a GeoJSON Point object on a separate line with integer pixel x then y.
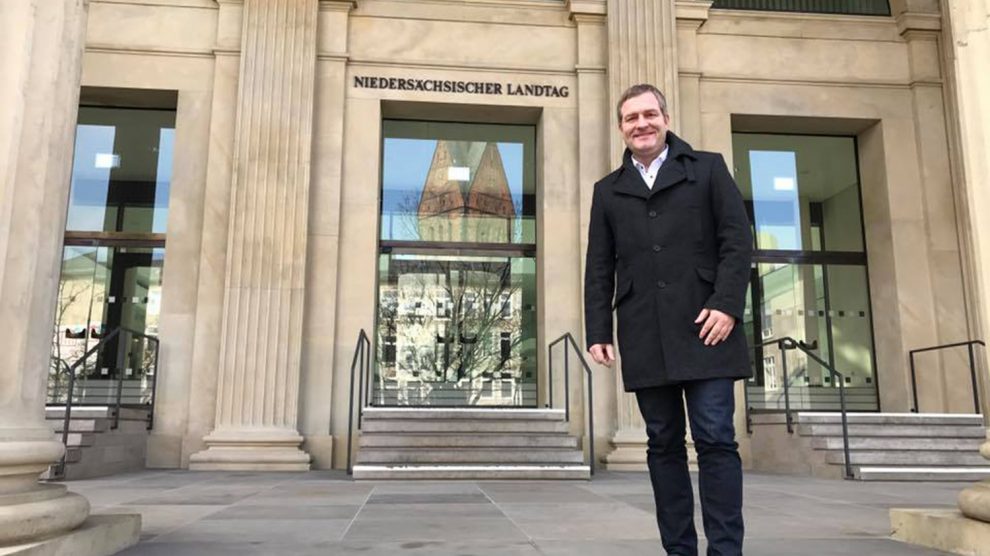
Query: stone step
{"type": "Point", "coordinates": [468, 413]}
{"type": "Point", "coordinates": [99, 425]}
{"type": "Point", "coordinates": [396, 456]}
{"type": "Point", "coordinates": [916, 431]}
{"type": "Point", "coordinates": [472, 472]}
{"type": "Point", "coordinates": [894, 443]}
{"type": "Point", "coordinates": [474, 440]}
{"type": "Point", "coordinates": [967, 474]}
{"type": "Point", "coordinates": [73, 454]}
{"type": "Point", "coordinates": [82, 425]}
{"type": "Point", "coordinates": [96, 412]}
{"type": "Point", "coordinates": [910, 458]}
{"type": "Point", "coordinates": [466, 426]}
{"type": "Point", "coordinates": [927, 419]}
{"type": "Point", "coordinates": [80, 439]}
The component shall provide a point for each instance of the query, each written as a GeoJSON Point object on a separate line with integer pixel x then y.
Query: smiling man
{"type": "Point", "coordinates": [669, 248]}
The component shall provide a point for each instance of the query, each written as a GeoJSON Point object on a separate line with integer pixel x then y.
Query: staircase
{"type": "Point", "coordinates": [883, 446]}
{"type": "Point", "coordinates": [96, 449]}
{"type": "Point", "coordinates": [469, 443]}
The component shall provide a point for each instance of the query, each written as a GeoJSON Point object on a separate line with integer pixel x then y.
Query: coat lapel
{"type": "Point", "coordinates": [630, 182]}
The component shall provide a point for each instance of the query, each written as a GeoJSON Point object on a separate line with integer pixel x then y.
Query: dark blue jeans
{"type": "Point", "coordinates": [710, 405]}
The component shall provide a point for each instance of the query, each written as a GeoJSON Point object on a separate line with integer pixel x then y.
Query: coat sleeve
{"type": "Point", "coordinates": [734, 241]}
{"type": "Point", "coordinates": [599, 274]}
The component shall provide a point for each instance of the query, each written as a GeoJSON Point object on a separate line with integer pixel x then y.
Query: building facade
{"type": "Point", "coordinates": [257, 182]}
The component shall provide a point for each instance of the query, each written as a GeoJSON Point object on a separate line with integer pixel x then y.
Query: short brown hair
{"type": "Point", "coordinates": [637, 90]}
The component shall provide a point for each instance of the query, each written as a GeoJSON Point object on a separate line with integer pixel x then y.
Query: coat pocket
{"type": "Point", "coordinates": [622, 292]}
{"type": "Point", "coordinates": [706, 274]}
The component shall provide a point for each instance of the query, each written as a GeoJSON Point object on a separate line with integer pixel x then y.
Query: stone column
{"type": "Point", "coordinates": [258, 381]}
{"type": "Point", "coordinates": [970, 20]}
{"type": "Point", "coordinates": [967, 50]}
{"type": "Point", "coordinates": [41, 44]}
{"type": "Point", "coordinates": [594, 129]}
{"type": "Point", "coordinates": [642, 49]}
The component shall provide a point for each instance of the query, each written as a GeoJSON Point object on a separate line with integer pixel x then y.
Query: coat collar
{"type": "Point", "coordinates": [678, 167]}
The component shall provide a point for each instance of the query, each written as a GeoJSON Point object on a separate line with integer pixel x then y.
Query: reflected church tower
{"type": "Point", "coordinates": [466, 196]}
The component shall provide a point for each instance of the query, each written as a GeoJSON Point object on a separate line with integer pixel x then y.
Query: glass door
{"type": "Point", "coordinates": [114, 251]}
{"type": "Point", "coordinates": [809, 279]}
{"type": "Point", "coordinates": [456, 319]}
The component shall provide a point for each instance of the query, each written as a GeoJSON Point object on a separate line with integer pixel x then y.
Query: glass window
{"type": "Point", "coordinates": [114, 251]}
{"type": "Point", "coordinates": [445, 182]}
{"type": "Point", "coordinates": [101, 289]}
{"type": "Point", "coordinates": [457, 271]}
{"type": "Point", "coordinates": [122, 170]}
{"type": "Point", "coordinates": [809, 279]}
{"type": "Point", "coordinates": [802, 191]}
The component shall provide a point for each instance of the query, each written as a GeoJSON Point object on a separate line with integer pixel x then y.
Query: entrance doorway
{"type": "Point", "coordinates": [810, 277]}
{"type": "Point", "coordinates": [114, 253]}
{"type": "Point", "coordinates": [456, 316]}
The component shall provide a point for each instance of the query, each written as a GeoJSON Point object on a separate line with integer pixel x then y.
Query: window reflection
{"type": "Point", "coordinates": [457, 275]}
{"type": "Point", "coordinates": [802, 191]}
{"type": "Point", "coordinates": [809, 279]}
{"type": "Point", "coordinates": [122, 170]}
{"type": "Point", "coordinates": [470, 184]}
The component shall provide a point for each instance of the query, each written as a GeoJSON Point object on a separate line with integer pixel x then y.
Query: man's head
{"type": "Point", "coordinates": [643, 120]}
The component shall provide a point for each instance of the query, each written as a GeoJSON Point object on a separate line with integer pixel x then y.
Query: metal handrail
{"type": "Point", "coordinates": [785, 343]}
{"type": "Point", "coordinates": [972, 370]}
{"type": "Point", "coordinates": [120, 332]}
{"type": "Point", "coordinates": [362, 356]}
{"type": "Point", "coordinates": [590, 403]}
{"type": "Point", "coordinates": [61, 363]}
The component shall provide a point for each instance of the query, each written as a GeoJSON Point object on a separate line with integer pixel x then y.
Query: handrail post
{"type": "Point", "coordinates": [972, 375]}
{"type": "Point", "coordinates": [787, 398]}
{"type": "Point", "coordinates": [368, 374]}
{"type": "Point", "coordinates": [914, 384]}
{"type": "Point", "coordinates": [749, 418]}
{"type": "Point", "coordinates": [567, 383]}
{"type": "Point", "coordinates": [550, 377]}
{"type": "Point", "coordinates": [360, 381]}
{"type": "Point", "coordinates": [357, 361]}
{"type": "Point", "coordinates": [590, 406]}
{"type": "Point", "coordinates": [154, 387]}
{"type": "Point", "coordinates": [121, 365]}
{"type": "Point", "coordinates": [66, 419]}
{"type": "Point", "coordinates": [845, 425]}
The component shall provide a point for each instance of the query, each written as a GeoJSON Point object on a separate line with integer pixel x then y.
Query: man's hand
{"type": "Point", "coordinates": [603, 354]}
{"type": "Point", "coordinates": [717, 327]}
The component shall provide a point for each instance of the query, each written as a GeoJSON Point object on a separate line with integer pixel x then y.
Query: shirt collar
{"type": "Point", "coordinates": [657, 162]}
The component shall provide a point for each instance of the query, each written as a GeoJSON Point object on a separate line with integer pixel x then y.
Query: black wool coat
{"type": "Point", "coordinates": [666, 253]}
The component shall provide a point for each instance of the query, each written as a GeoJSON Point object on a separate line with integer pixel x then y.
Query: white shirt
{"type": "Point", "coordinates": [650, 174]}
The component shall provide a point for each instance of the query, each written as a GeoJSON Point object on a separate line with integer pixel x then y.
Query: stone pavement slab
{"type": "Point", "coordinates": [325, 512]}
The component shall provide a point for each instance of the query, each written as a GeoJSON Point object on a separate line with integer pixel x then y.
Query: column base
{"type": "Point", "coordinates": [630, 452]}
{"type": "Point", "coordinates": [100, 535]}
{"type": "Point", "coordinates": [251, 450]}
{"type": "Point", "coordinates": [974, 501]}
{"type": "Point", "coordinates": [30, 510]}
{"type": "Point", "coordinates": [945, 530]}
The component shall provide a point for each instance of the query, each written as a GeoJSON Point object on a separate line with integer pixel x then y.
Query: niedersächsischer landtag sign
{"type": "Point", "coordinates": [465, 87]}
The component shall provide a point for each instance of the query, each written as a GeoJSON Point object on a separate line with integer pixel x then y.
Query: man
{"type": "Point", "coordinates": [670, 229]}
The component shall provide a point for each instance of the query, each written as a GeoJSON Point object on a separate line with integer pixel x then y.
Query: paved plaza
{"type": "Point", "coordinates": [326, 513]}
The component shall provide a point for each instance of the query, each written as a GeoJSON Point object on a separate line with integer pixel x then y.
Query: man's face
{"type": "Point", "coordinates": [644, 126]}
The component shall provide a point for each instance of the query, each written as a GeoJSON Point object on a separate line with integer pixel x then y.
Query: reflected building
{"type": "Point", "coordinates": [450, 330]}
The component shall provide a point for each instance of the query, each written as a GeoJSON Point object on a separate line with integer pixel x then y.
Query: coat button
{"type": "Point", "coordinates": [661, 284]}
{"type": "Point", "coordinates": [657, 248]}
{"type": "Point", "coordinates": [653, 214]}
